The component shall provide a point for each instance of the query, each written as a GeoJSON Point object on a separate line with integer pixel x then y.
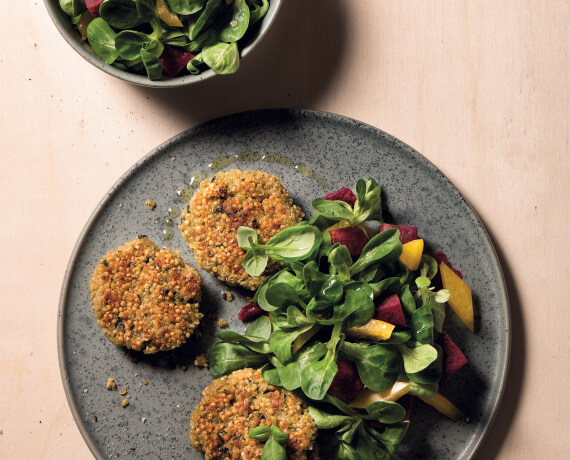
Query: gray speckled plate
{"type": "Point", "coordinates": [309, 151]}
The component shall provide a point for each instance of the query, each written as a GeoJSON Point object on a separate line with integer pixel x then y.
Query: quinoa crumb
{"type": "Point", "coordinates": [111, 385]}
{"type": "Point", "coordinates": [212, 316]}
{"type": "Point", "coordinates": [125, 402]}
{"type": "Point", "coordinates": [94, 418]}
{"type": "Point", "coordinates": [227, 295]}
{"type": "Point", "coordinates": [123, 391]}
{"type": "Point", "coordinates": [184, 367]}
{"type": "Point", "coordinates": [150, 204]}
{"type": "Point", "coordinates": [222, 323]}
{"type": "Point", "coordinates": [145, 382]}
{"type": "Point", "coordinates": [201, 361]}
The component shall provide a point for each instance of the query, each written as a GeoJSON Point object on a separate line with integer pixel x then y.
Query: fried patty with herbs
{"type": "Point", "coordinates": [235, 404]}
{"type": "Point", "coordinates": [145, 298]}
{"type": "Point", "coordinates": [226, 202]}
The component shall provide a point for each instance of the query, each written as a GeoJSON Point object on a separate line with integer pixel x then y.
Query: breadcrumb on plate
{"type": "Point", "coordinates": [201, 361]}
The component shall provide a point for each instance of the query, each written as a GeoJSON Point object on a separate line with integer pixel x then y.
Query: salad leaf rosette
{"type": "Point", "coordinates": [327, 306]}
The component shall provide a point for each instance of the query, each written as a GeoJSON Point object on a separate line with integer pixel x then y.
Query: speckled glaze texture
{"type": "Point", "coordinates": [339, 150]}
{"type": "Point", "coordinates": [71, 36]}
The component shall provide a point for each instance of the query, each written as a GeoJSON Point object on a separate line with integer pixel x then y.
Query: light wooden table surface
{"type": "Point", "coordinates": [480, 88]}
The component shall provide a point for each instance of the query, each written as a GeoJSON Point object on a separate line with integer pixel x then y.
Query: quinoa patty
{"type": "Point", "coordinates": [235, 404]}
{"type": "Point", "coordinates": [223, 204]}
{"type": "Point", "coordinates": [145, 298]}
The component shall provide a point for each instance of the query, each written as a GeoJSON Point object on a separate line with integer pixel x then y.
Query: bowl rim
{"type": "Point", "coordinates": [66, 30]}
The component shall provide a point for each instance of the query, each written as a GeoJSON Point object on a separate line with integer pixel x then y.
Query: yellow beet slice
{"type": "Point", "coordinates": [367, 396]}
{"type": "Point", "coordinates": [305, 337]}
{"type": "Point", "coordinates": [444, 405]}
{"type": "Point", "coordinates": [339, 224]}
{"type": "Point", "coordinates": [373, 330]}
{"type": "Point", "coordinates": [460, 295]}
{"type": "Point", "coordinates": [85, 20]}
{"type": "Point", "coordinates": [166, 15]}
{"type": "Point", "coordinates": [412, 253]}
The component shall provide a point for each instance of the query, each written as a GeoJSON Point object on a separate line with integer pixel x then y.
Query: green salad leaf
{"type": "Point", "coordinates": [274, 439]}
{"type": "Point", "coordinates": [72, 7]}
{"type": "Point", "coordinates": [290, 245]}
{"type": "Point", "coordinates": [185, 7]}
{"type": "Point", "coordinates": [102, 39]}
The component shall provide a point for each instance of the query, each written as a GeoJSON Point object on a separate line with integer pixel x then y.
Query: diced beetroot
{"type": "Point", "coordinates": [93, 7]}
{"type": "Point", "coordinates": [250, 312]}
{"type": "Point", "coordinates": [407, 233]}
{"type": "Point", "coordinates": [346, 383]}
{"type": "Point", "coordinates": [354, 238]}
{"type": "Point", "coordinates": [390, 310]}
{"type": "Point", "coordinates": [440, 257]}
{"type": "Point", "coordinates": [453, 358]}
{"type": "Point", "coordinates": [174, 60]}
{"type": "Point", "coordinates": [344, 194]}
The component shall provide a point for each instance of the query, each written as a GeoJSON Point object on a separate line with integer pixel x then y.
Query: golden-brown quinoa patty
{"type": "Point", "coordinates": [235, 404]}
{"type": "Point", "coordinates": [145, 298]}
{"type": "Point", "coordinates": [223, 204]}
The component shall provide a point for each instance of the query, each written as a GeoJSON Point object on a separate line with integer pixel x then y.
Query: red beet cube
{"type": "Point", "coordinates": [93, 7]}
{"type": "Point", "coordinates": [346, 383]}
{"type": "Point", "coordinates": [344, 194]}
{"type": "Point", "coordinates": [354, 238]}
{"type": "Point", "coordinates": [440, 257]}
{"type": "Point", "coordinates": [390, 310]}
{"type": "Point", "coordinates": [174, 60]}
{"type": "Point", "coordinates": [250, 312]}
{"type": "Point", "coordinates": [453, 358]}
{"type": "Point", "coordinates": [407, 233]}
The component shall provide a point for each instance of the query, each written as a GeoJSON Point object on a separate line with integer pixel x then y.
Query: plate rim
{"type": "Point", "coordinates": [317, 114]}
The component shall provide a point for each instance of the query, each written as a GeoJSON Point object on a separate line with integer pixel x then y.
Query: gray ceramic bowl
{"type": "Point", "coordinates": [72, 36]}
